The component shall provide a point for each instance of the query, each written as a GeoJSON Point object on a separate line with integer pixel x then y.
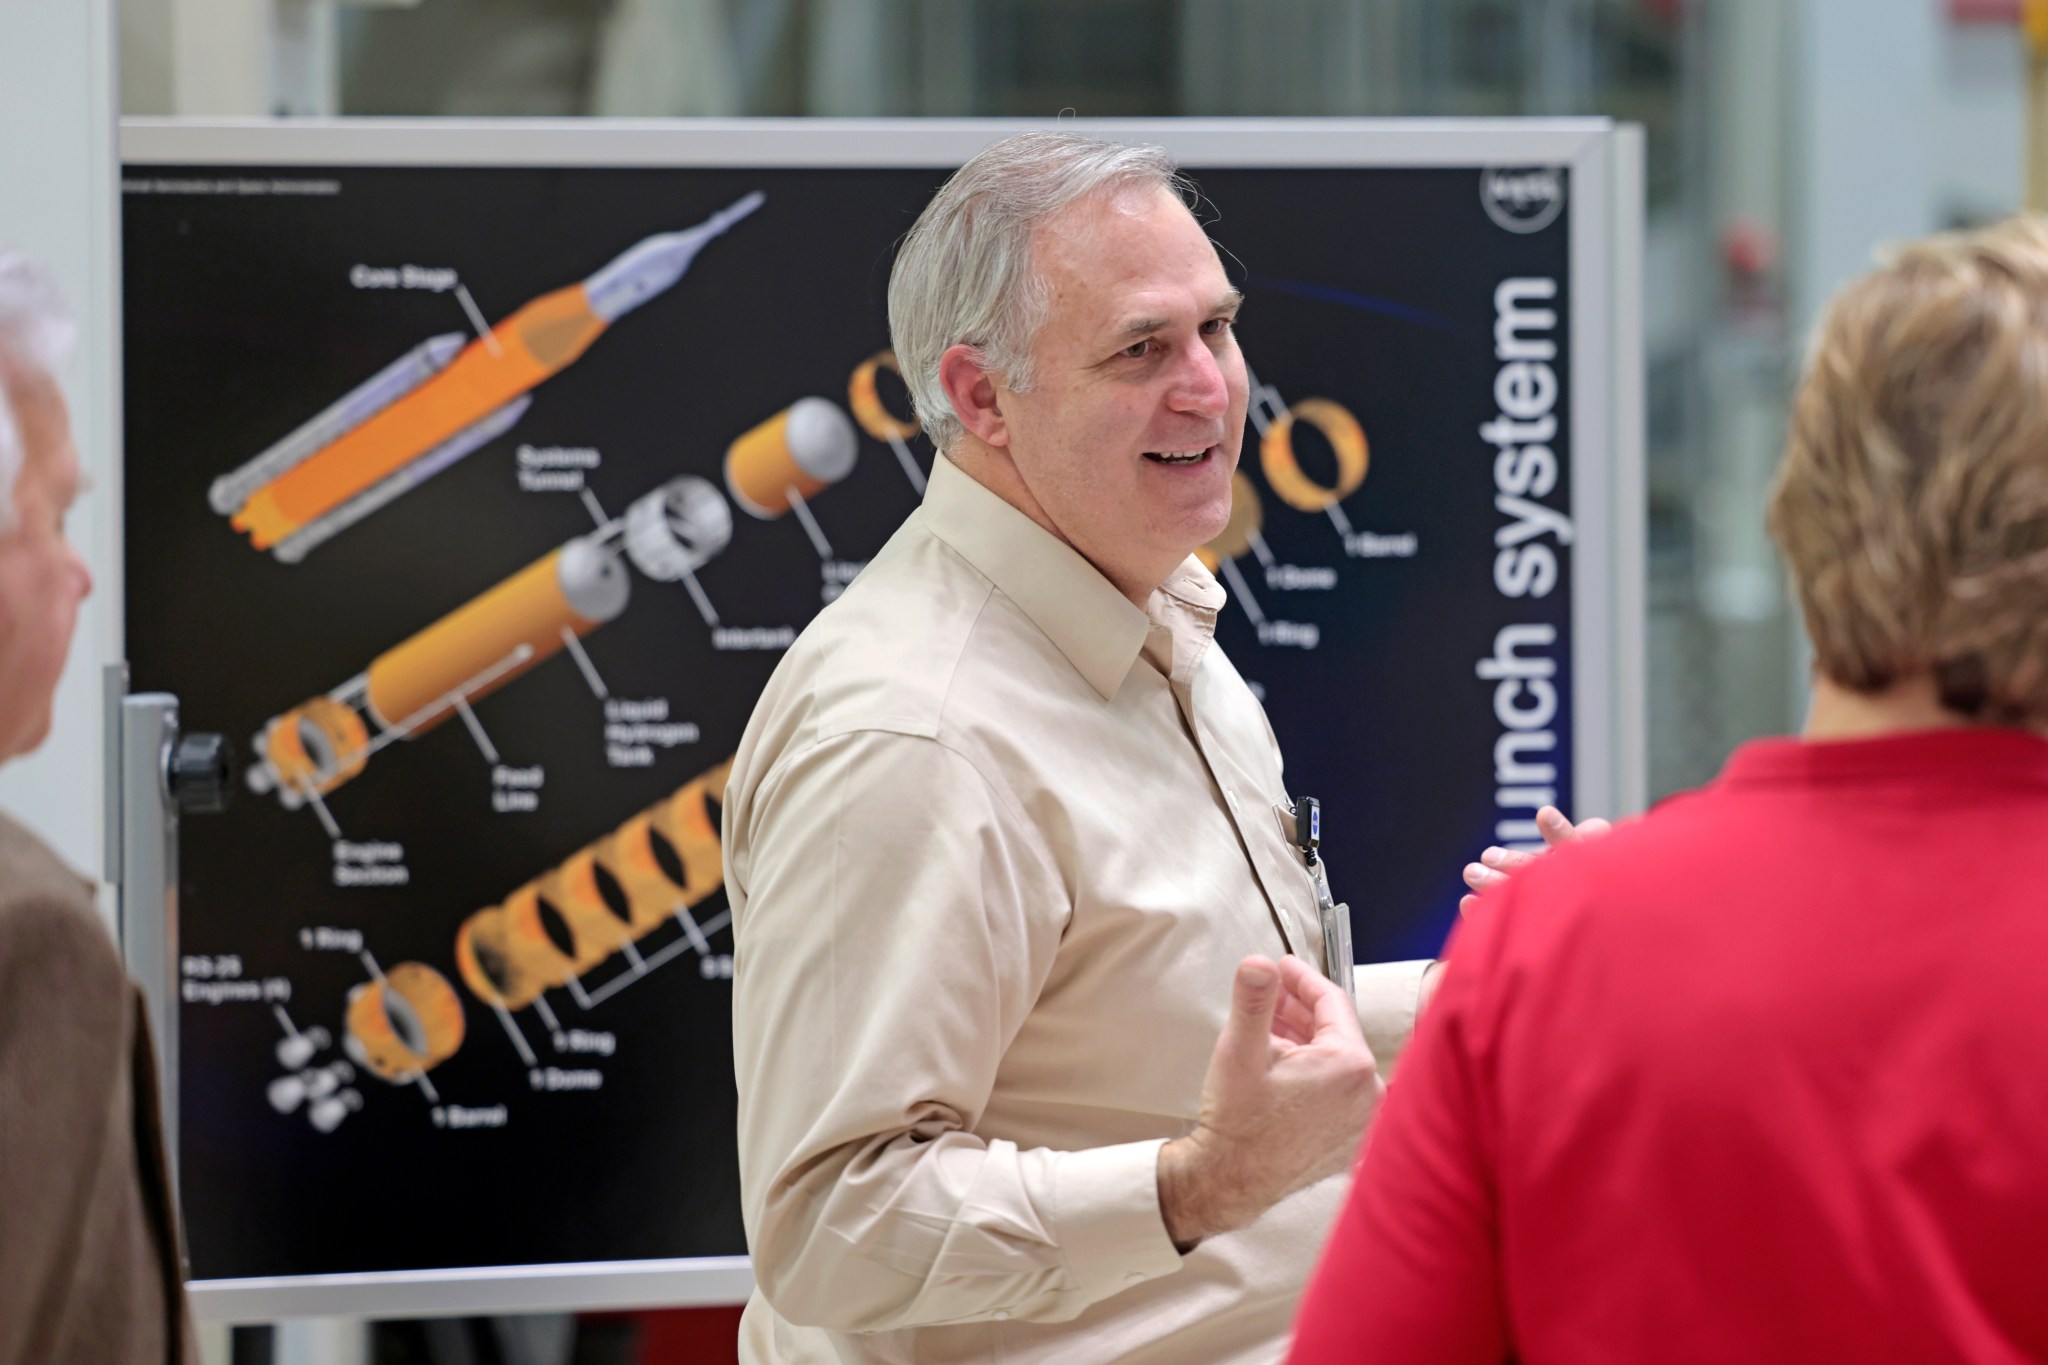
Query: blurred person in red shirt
{"type": "Point", "coordinates": [1763, 1076]}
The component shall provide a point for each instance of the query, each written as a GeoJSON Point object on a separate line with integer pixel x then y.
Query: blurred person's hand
{"type": "Point", "coordinates": [1496, 865]}
{"type": "Point", "coordinates": [1290, 1090]}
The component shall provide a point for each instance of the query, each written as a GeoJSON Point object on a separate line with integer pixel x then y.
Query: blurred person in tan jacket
{"type": "Point", "coordinates": [90, 1261]}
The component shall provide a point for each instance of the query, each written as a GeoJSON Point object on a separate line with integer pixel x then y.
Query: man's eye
{"type": "Point", "coordinates": [1215, 327]}
{"type": "Point", "coordinates": [1137, 350]}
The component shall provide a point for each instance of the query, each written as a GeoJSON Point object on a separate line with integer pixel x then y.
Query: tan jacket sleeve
{"type": "Point", "coordinates": [81, 1277]}
{"type": "Point", "coordinates": [895, 921]}
{"type": "Point", "coordinates": [1387, 994]}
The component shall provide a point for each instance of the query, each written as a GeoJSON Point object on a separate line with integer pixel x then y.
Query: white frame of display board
{"type": "Point", "coordinates": [1609, 566]}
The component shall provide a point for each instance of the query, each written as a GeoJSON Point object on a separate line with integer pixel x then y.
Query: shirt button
{"type": "Point", "coordinates": [1134, 1277]}
{"type": "Point", "coordinates": [1002, 1316]}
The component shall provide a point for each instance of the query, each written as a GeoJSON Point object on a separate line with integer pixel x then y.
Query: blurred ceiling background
{"type": "Point", "coordinates": [1787, 139]}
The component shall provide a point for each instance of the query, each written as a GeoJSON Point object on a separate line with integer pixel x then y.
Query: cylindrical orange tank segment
{"type": "Point", "coordinates": [808, 446]}
{"type": "Point", "coordinates": [524, 349]}
{"type": "Point", "coordinates": [864, 396]}
{"type": "Point", "coordinates": [494, 638]}
{"type": "Point", "coordinates": [406, 1023]}
{"type": "Point", "coordinates": [540, 937]}
{"type": "Point", "coordinates": [686, 819]}
{"type": "Point", "coordinates": [647, 867]}
{"type": "Point", "coordinates": [481, 958]}
{"type": "Point", "coordinates": [1283, 471]}
{"type": "Point", "coordinates": [1247, 519]}
{"type": "Point", "coordinates": [598, 900]}
{"type": "Point", "coordinates": [508, 959]}
{"type": "Point", "coordinates": [591, 904]}
{"type": "Point", "coordinates": [317, 746]}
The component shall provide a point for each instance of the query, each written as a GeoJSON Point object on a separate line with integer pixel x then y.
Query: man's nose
{"type": "Point", "coordinates": [1199, 387]}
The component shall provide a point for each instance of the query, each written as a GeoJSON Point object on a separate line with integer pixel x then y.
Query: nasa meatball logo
{"type": "Point", "coordinates": [1522, 198]}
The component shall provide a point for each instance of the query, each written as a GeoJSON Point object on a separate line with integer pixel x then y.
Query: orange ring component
{"type": "Point", "coordinates": [631, 854]}
{"type": "Point", "coordinates": [529, 944]}
{"type": "Point", "coordinates": [485, 965]}
{"type": "Point", "coordinates": [1347, 441]}
{"type": "Point", "coordinates": [573, 889]}
{"type": "Point", "coordinates": [686, 819]}
{"type": "Point", "coordinates": [323, 735]}
{"type": "Point", "coordinates": [407, 1022]}
{"type": "Point", "coordinates": [1247, 517]}
{"type": "Point", "coordinates": [505, 953]}
{"type": "Point", "coordinates": [866, 400]}
{"type": "Point", "coordinates": [605, 895]}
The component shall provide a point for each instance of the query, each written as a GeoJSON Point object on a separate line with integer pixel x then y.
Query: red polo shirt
{"type": "Point", "coordinates": [1762, 1076]}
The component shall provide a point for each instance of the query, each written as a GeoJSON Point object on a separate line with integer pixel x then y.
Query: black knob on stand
{"type": "Point", "coordinates": [201, 773]}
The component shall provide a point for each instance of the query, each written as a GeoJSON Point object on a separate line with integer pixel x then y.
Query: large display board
{"type": "Point", "coordinates": [477, 477]}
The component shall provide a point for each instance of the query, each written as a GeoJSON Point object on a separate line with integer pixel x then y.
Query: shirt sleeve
{"type": "Point", "coordinates": [1387, 994]}
{"type": "Point", "coordinates": [896, 919]}
{"type": "Point", "coordinates": [1412, 1271]}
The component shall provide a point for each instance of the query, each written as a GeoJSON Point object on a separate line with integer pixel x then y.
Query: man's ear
{"type": "Point", "coordinates": [972, 391]}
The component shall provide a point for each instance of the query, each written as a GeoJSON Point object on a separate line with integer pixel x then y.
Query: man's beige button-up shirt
{"type": "Point", "coordinates": [995, 841]}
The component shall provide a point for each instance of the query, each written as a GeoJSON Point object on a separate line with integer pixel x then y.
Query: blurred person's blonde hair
{"type": "Point", "coordinates": [1912, 504]}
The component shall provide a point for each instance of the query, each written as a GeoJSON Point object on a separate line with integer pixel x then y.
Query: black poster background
{"type": "Point", "coordinates": [1372, 287]}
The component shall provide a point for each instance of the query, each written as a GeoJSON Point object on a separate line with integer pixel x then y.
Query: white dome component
{"type": "Point", "coordinates": [593, 581]}
{"type": "Point", "coordinates": [821, 439]}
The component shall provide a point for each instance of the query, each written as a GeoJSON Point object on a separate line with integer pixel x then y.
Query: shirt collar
{"type": "Point", "coordinates": [1183, 614]}
{"type": "Point", "coordinates": [1991, 755]}
{"type": "Point", "coordinates": [1096, 627]}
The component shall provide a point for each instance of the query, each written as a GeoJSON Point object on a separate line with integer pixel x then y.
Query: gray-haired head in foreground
{"type": "Point", "coordinates": [35, 336]}
{"type": "Point", "coordinates": [964, 273]}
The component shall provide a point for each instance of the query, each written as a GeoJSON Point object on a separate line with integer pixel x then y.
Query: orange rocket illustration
{"type": "Point", "coordinates": [488, 641]}
{"type": "Point", "coordinates": [440, 401]}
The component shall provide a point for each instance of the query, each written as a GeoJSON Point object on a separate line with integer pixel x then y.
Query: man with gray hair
{"type": "Point", "coordinates": [1032, 1066]}
{"type": "Point", "coordinates": [90, 1265]}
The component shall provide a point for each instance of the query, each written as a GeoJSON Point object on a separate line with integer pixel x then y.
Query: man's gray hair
{"type": "Point", "coordinates": [35, 336]}
{"type": "Point", "coordinates": [964, 273]}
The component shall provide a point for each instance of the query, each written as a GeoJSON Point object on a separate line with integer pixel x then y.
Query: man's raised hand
{"type": "Point", "coordinates": [1290, 1089]}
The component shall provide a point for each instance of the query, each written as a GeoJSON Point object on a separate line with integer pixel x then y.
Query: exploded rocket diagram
{"type": "Point", "coordinates": [435, 404]}
{"type": "Point", "coordinates": [451, 395]}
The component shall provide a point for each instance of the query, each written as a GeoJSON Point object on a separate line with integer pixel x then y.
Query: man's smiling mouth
{"type": "Point", "coordinates": [1178, 457]}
